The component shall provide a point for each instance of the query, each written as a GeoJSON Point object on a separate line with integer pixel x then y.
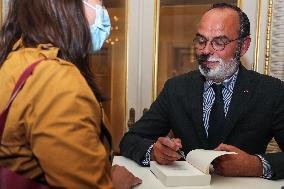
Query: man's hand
{"type": "Point", "coordinates": [122, 178]}
{"type": "Point", "coordinates": [164, 150]}
{"type": "Point", "coordinates": [240, 164]}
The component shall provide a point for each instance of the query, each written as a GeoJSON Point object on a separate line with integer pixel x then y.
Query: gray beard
{"type": "Point", "coordinates": [221, 72]}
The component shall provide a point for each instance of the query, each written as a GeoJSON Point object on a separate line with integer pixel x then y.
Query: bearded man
{"type": "Point", "coordinates": [221, 106]}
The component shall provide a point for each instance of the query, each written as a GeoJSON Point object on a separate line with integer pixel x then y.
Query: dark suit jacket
{"type": "Point", "coordinates": [255, 115]}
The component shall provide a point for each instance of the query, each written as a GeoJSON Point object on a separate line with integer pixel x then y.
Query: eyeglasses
{"type": "Point", "coordinates": [217, 43]}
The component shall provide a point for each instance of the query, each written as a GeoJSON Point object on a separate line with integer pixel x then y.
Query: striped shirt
{"type": "Point", "coordinates": [208, 100]}
{"type": "Point", "coordinates": [209, 97]}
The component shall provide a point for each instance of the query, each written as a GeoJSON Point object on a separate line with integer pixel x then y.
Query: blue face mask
{"type": "Point", "coordinates": [100, 30]}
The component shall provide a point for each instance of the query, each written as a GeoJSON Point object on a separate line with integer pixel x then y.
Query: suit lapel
{"type": "Point", "coordinates": [195, 104]}
{"type": "Point", "coordinates": [241, 95]}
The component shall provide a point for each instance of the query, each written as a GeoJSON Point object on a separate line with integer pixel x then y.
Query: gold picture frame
{"type": "Point", "coordinates": [1, 12]}
{"type": "Point", "coordinates": [4, 9]}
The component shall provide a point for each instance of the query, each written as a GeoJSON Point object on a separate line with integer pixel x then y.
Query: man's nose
{"type": "Point", "coordinates": [208, 49]}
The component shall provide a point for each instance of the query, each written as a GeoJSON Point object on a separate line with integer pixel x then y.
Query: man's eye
{"type": "Point", "coordinates": [202, 41]}
{"type": "Point", "coordinates": [218, 42]}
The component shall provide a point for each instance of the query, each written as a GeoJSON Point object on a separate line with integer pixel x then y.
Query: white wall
{"type": "Point", "coordinates": [140, 54]}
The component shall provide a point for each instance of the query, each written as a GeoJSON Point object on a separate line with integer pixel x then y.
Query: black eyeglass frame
{"type": "Point", "coordinates": [225, 43]}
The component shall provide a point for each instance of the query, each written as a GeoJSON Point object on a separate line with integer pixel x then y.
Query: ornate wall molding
{"type": "Point", "coordinates": [275, 42]}
{"type": "Point", "coordinates": [257, 37]}
{"type": "Point", "coordinates": [4, 9]}
{"type": "Point", "coordinates": [268, 33]}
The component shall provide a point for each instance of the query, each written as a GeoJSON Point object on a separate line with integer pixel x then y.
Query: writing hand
{"type": "Point", "coordinates": [165, 150]}
{"type": "Point", "coordinates": [240, 164]}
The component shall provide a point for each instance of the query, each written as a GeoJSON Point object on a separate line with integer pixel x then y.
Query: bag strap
{"type": "Point", "coordinates": [19, 85]}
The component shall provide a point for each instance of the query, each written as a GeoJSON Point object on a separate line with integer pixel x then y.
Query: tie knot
{"type": "Point", "coordinates": [217, 87]}
{"type": "Point", "coordinates": [217, 90]}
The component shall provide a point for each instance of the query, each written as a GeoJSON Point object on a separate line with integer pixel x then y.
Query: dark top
{"type": "Point", "coordinates": [256, 114]}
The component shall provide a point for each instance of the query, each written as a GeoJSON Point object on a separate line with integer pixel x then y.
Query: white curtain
{"type": "Point", "coordinates": [276, 68]}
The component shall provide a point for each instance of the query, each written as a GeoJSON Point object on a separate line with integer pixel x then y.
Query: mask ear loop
{"type": "Point", "coordinates": [89, 5]}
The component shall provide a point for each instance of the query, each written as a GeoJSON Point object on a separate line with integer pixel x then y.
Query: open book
{"type": "Point", "coordinates": [192, 172]}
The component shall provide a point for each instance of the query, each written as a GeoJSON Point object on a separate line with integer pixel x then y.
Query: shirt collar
{"type": "Point", "coordinates": [226, 83]}
{"type": "Point", "coordinates": [47, 50]}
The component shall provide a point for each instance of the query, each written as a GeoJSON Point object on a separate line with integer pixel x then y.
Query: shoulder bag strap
{"type": "Point", "coordinates": [19, 85]}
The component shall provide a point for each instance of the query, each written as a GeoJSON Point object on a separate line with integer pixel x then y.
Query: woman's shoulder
{"type": "Point", "coordinates": [61, 75]}
{"type": "Point", "coordinates": [51, 74]}
{"type": "Point", "coordinates": [50, 67]}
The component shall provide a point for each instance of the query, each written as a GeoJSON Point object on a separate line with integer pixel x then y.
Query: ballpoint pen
{"type": "Point", "coordinates": [180, 152]}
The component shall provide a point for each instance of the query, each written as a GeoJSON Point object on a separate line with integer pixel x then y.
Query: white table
{"type": "Point", "coordinates": [217, 182]}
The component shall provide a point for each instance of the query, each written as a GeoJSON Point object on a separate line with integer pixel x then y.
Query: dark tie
{"type": "Point", "coordinates": [216, 118]}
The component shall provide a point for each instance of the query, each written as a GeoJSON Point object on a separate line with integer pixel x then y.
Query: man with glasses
{"type": "Point", "coordinates": [221, 106]}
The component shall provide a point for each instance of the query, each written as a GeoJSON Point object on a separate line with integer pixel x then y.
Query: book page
{"type": "Point", "coordinates": [201, 159]}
